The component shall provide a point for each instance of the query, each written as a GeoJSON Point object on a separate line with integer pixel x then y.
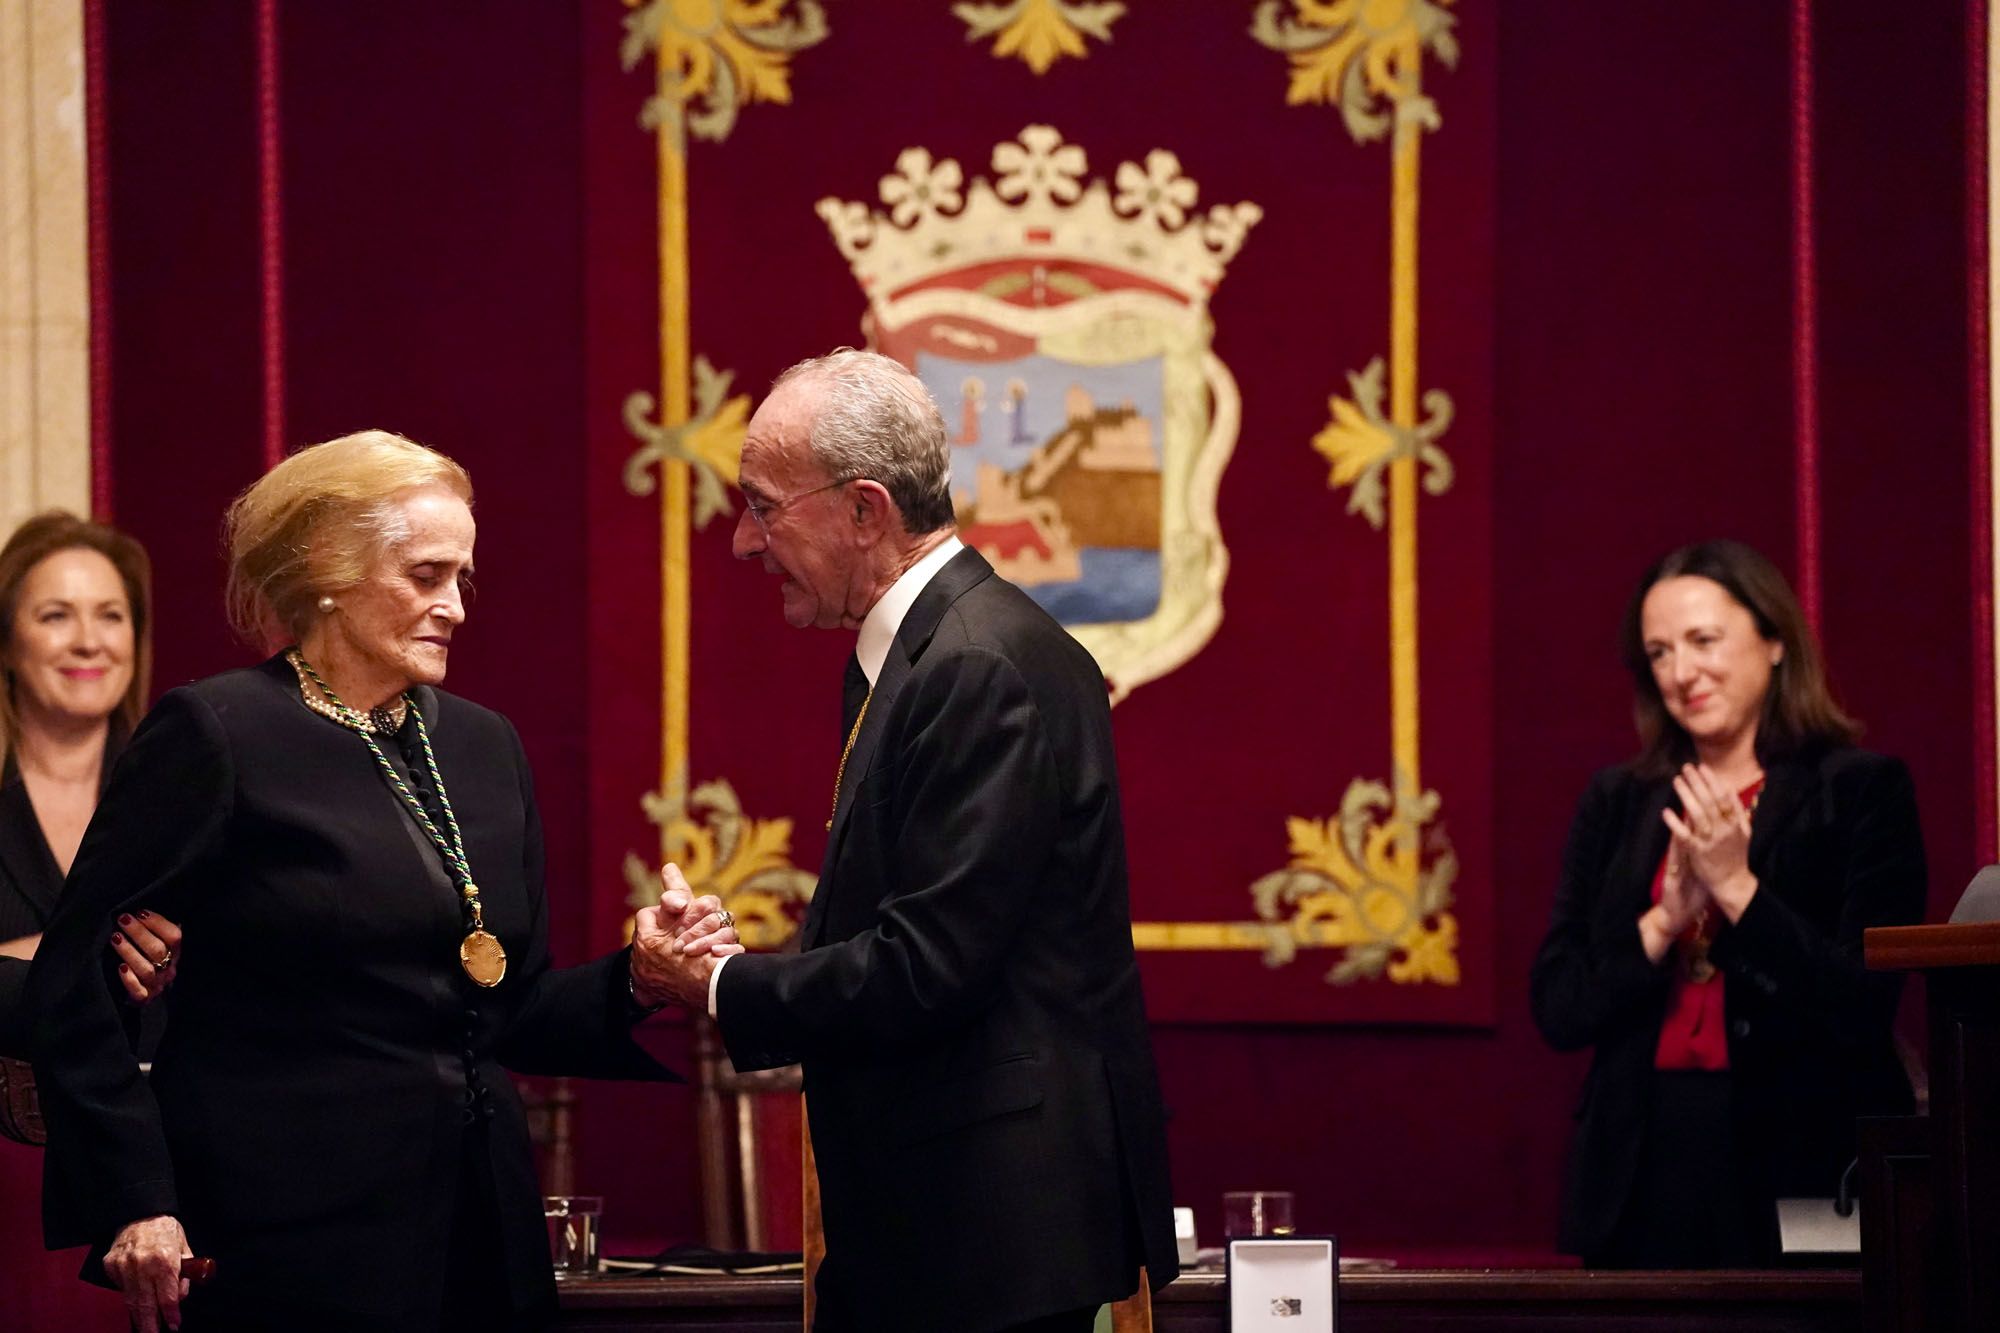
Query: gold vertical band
{"type": "Point", "coordinates": [675, 598]}
{"type": "Point", "coordinates": [1403, 680]}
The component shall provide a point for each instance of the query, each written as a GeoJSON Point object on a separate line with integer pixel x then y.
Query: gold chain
{"type": "Point", "coordinates": [841, 773]}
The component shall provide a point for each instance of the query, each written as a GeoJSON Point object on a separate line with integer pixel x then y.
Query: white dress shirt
{"type": "Point", "coordinates": [871, 649]}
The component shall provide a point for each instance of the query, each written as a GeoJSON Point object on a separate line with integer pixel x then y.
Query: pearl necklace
{"type": "Point", "coordinates": [383, 721]}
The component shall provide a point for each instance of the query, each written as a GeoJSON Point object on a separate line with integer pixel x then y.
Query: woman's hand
{"type": "Point", "coordinates": [1683, 899]}
{"type": "Point", "coordinates": [148, 946]}
{"type": "Point", "coordinates": [145, 1263]}
{"type": "Point", "coordinates": [1714, 830]}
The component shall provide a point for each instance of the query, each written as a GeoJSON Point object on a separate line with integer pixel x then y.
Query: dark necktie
{"type": "Point", "coordinates": [853, 689]}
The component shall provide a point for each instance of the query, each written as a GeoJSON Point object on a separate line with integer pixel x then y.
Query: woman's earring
{"type": "Point", "coordinates": [326, 605]}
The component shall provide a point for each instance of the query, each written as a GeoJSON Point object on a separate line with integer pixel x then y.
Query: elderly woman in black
{"type": "Point", "coordinates": [1705, 942]}
{"type": "Point", "coordinates": [357, 859]}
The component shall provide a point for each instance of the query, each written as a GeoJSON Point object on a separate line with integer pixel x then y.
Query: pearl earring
{"type": "Point", "coordinates": [326, 605]}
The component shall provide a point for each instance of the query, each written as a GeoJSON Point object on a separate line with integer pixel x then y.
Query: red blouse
{"type": "Point", "coordinates": [1694, 1035]}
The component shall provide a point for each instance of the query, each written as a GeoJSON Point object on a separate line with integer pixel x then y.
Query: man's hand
{"type": "Point", "coordinates": [676, 945]}
{"type": "Point", "coordinates": [148, 946]}
{"type": "Point", "coordinates": [145, 1262]}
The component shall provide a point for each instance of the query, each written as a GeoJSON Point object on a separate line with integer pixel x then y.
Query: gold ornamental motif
{"type": "Point", "coordinates": [745, 862]}
{"type": "Point", "coordinates": [715, 57]}
{"type": "Point", "coordinates": [1361, 443]}
{"type": "Point", "coordinates": [1040, 32]}
{"type": "Point", "coordinates": [1374, 881]}
{"type": "Point", "coordinates": [710, 443]}
{"type": "Point", "coordinates": [1359, 54]}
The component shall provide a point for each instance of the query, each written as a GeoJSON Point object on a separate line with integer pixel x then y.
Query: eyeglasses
{"type": "Point", "coordinates": [760, 511]}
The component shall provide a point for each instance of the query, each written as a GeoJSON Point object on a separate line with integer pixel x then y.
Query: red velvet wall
{"type": "Point", "coordinates": [461, 261]}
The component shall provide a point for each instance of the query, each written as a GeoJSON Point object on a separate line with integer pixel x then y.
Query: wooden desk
{"type": "Point", "coordinates": [1931, 1187]}
{"type": "Point", "coordinates": [1408, 1301]}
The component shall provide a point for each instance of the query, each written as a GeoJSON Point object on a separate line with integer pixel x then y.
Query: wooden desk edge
{"type": "Point", "coordinates": [1914, 948]}
{"type": "Point", "coordinates": [1828, 1287]}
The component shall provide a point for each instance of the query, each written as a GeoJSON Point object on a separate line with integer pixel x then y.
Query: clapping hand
{"type": "Point", "coordinates": [1683, 898]}
{"type": "Point", "coordinates": [1713, 833]}
{"type": "Point", "coordinates": [676, 945]}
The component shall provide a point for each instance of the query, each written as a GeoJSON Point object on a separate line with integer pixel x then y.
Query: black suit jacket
{"type": "Point", "coordinates": [1836, 848]}
{"type": "Point", "coordinates": [978, 1069]}
{"type": "Point", "coordinates": [30, 883]}
{"type": "Point", "coordinates": [307, 1111]}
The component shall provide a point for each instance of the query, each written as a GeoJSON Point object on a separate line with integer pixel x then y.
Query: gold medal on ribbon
{"type": "Point", "coordinates": [482, 957]}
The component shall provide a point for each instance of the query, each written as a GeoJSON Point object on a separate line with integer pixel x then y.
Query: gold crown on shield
{"type": "Point", "coordinates": [1038, 205]}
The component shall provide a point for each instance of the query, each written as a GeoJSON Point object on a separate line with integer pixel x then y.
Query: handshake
{"type": "Point", "coordinates": [678, 945]}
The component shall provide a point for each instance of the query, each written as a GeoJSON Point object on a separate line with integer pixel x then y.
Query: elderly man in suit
{"type": "Point", "coordinates": [966, 1005]}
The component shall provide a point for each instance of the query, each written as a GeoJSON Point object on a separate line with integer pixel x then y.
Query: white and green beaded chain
{"type": "Point", "coordinates": [480, 953]}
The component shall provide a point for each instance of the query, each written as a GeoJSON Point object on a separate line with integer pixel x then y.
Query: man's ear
{"type": "Point", "coordinates": [871, 509]}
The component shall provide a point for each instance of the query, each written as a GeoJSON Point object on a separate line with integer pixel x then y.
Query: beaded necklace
{"type": "Point", "coordinates": [479, 953]}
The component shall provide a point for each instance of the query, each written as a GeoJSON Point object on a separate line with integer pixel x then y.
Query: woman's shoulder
{"type": "Point", "coordinates": [1851, 770]}
{"type": "Point", "coordinates": [1619, 783]}
{"type": "Point", "coordinates": [1615, 799]}
{"type": "Point", "coordinates": [256, 690]}
{"type": "Point", "coordinates": [456, 717]}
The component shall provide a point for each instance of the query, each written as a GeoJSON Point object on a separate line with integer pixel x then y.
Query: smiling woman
{"type": "Point", "coordinates": [1705, 942]}
{"type": "Point", "coordinates": [75, 650]}
{"type": "Point", "coordinates": [75, 654]}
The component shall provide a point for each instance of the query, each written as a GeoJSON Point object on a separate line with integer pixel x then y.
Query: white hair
{"type": "Point", "coordinates": [875, 419]}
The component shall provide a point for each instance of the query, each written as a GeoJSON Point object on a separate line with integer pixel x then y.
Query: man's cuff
{"type": "Point", "coordinates": [714, 978]}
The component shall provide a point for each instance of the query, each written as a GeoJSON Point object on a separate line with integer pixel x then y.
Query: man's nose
{"type": "Point", "coordinates": [747, 542]}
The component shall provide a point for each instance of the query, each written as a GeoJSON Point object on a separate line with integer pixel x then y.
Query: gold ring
{"type": "Point", "coordinates": [166, 961]}
{"type": "Point", "coordinates": [727, 918]}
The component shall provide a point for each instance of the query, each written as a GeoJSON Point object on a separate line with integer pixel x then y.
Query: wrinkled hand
{"type": "Point", "coordinates": [149, 947]}
{"type": "Point", "coordinates": [1713, 832]}
{"type": "Point", "coordinates": [676, 945]}
{"type": "Point", "coordinates": [145, 1263]}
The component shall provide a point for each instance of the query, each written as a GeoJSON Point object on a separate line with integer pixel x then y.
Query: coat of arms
{"type": "Point", "coordinates": [1063, 329]}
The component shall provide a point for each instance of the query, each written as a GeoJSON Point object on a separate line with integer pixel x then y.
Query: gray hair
{"type": "Point", "coordinates": [875, 419]}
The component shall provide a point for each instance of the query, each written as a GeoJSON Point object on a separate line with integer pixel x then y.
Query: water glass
{"type": "Point", "coordinates": [573, 1220]}
{"type": "Point", "coordinates": [1257, 1213]}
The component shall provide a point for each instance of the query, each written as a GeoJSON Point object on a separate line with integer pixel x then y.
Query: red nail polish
{"type": "Point", "coordinates": [145, 916]}
{"type": "Point", "coordinates": [116, 938]}
{"type": "Point", "coordinates": [123, 968]}
{"type": "Point", "coordinates": [124, 920]}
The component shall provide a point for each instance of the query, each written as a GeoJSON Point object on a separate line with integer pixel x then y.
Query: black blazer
{"type": "Point", "coordinates": [978, 1069]}
{"type": "Point", "coordinates": [307, 1111]}
{"type": "Point", "coordinates": [1836, 848]}
{"type": "Point", "coordinates": [30, 883]}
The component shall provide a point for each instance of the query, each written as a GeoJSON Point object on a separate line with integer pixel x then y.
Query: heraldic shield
{"type": "Point", "coordinates": [1062, 326]}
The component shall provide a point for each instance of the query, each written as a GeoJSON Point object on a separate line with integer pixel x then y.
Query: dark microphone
{"type": "Point", "coordinates": [197, 1270]}
{"type": "Point", "coordinates": [1843, 1197]}
{"type": "Point", "coordinates": [1981, 899]}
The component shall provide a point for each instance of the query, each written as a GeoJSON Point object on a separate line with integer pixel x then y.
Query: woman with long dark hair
{"type": "Point", "coordinates": [1705, 941]}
